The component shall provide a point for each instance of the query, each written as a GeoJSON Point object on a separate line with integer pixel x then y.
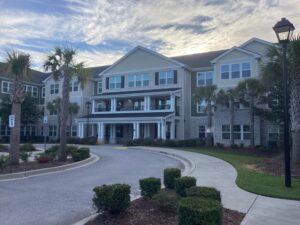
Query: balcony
{"type": "Point", "coordinates": [130, 108]}
{"type": "Point", "coordinates": [102, 109]}
{"type": "Point", "coordinates": [160, 107]}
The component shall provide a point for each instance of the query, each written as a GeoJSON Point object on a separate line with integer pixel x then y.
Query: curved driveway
{"type": "Point", "coordinates": [65, 197]}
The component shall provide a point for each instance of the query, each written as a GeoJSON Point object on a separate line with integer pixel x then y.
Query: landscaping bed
{"type": "Point", "coordinates": [144, 212]}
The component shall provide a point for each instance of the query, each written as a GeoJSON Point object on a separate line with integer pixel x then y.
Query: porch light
{"type": "Point", "coordinates": [284, 30]}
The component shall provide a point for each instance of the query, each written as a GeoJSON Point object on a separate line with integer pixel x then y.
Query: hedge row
{"type": "Point", "coordinates": [167, 143]}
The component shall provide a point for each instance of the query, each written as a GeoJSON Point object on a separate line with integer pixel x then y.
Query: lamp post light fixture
{"type": "Point", "coordinates": [284, 31]}
{"type": "Point", "coordinates": [88, 104]}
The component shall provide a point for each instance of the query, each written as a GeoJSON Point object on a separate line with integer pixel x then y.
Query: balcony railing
{"type": "Point", "coordinates": [102, 109]}
{"type": "Point", "coordinates": [130, 108]}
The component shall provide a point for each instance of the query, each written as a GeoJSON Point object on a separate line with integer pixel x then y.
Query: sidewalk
{"type": "Point", "coordinates": [214, 172]}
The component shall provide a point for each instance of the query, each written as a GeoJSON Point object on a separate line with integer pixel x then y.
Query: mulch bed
{"type": "Point", "coordinates": [143, 212]}
{"type": "Point", "coordinates": [33, 166]}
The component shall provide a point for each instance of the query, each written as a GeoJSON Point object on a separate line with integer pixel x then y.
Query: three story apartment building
{"type": "Point", "coordinates": [146, 94]}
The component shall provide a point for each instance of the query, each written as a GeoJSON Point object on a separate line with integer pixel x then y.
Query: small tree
{"type": "Point", "coordinates": [249, 92]}
{"type": "Point", "coordinates": [209, 95]}
{"type": "Point", "coordinates": [55, 106]}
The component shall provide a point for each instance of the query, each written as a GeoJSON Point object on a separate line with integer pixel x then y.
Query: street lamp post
{"type": "Point", "coordinates": [88, 104]}
{"type": "Point", "coordinates": [284, 30]}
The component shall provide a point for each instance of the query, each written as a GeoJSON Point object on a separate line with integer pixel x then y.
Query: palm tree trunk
{"type": "Point", "coordinates": [64, 118]}
{"type": "Point", "coordinates": [70, 124]}
{"type": "Point", "coordinates": [252, 140]}
{"type": "Point", "coordinates": [231, 103]}
{"type": "Point", "coordinates": [209, 138]}
{"type": "Point", "coordinates": [295, 118]}
{"type": "Point", "coordinates": [15, 135]}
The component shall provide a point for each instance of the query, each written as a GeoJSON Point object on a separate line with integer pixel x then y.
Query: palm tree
{"type": "Point", "coordinates": [73, 110]}
{"type": "Point", "coordinates": [18, 69]}
{"type": "Point", "coordinates": [272, 75]}
{"type": "Point", "coordinates": [227, 98]}
{"type": "Point", "coordinates": [249, 91]}
{"type": "Point", "coordinates": [55, 106]}
{"type": "Point", "coordinates": [63, 66]}
{"type": "Point", "coordinates": [208, 94]}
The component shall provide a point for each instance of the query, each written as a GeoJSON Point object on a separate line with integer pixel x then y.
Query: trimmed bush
{"type": "Point", "coordinates": [204, 192]}
{"type": "Point", "coordinates": [170, 143]}
{"type": "Point", "coordinates": [199, 211]}
{"type": "Point", "coordinates": [3, 162]}
{"type": "Point", "coordinates": [27, 148]}
{"type": "Point", "coordinates": [24, 156]}
{"type": "Point", "coordinates": [80, 154]}
{"type": "Point", "coordinates": [169, 176]}
{"type": "Point", "coordinates": [53, 151]}
{"type": "Point", "coordinates": [83, 141]}
{"type": "Point", "coordinates": [112, 198]}
{"type": "Point", "coordinates": [150, 186]}
{"type": "Point", "coordinates": [3, 148]}
{"type": "Point", "coordinates": [183, 183]}
{"type": "Point", "coordinates": [166, 201]}
{"type": "Point", "coordinates": [43, 158]}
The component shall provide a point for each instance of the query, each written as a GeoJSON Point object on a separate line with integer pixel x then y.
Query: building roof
{"type": "Point", "coordinates": [199, 60]}
{"type": "Point", "coordinates": [123, 115]}
{"type": "Point", "coordinates": [95, 71]}
{"type": "Point", "coordinates": [36, 77]}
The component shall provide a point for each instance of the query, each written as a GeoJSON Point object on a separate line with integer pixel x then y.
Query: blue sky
{"type": "Point", "coordinates": [104, 30]}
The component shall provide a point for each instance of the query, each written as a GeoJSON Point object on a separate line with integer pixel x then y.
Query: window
{"type": "Point", "coordinates": [138, 105]}
{"type": "Point", "coordinates": [99, 87]}
{"type": "Point", "coordinates": [201, 106]}
{"type": "Point", "coordinates": [53, 112]}
{"type": "Point", "coordinates": [43, 92]}
{"type": "Point", "coordinates": [204, 78]}
{"type": "Point", "coordinates": [246, 70]}
{"type": "Point", "coordinates": [115, 82]}
{"type": "Point", "coordinates": [54, 89]}
{"type": "Point", "coordinates": [202, 131]}
{"type": "Point", "coordinates": [52, 131]}
{"type": "Point", "coordinates": [224, 72]}
{"type": "Point", "coordinates": [73, 86]}
{"type": "Point", "coordinates": [273, 133]}
{"type": "Point", "coordinates": [74, 131]}
{"type": "Point", "coordinates": [237, 132]}
{"type": "Point", "coordinates": [138, 80]}
{"type": "Point", "coordinates": [6, 87]}
{"type": "Point", "coordinates": [166, 77]}
{"type": "Point", "coordinates": [226, 132]}
{"type": "Point", "coordinates": [35, 92]}
{"type": "Point", "coordinates": [246, 132]}
{"type": "Point", "coordinates": [235, 71]}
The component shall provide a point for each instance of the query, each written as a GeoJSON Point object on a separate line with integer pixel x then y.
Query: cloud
{"type": "Point", "coordinates": [104, 30]}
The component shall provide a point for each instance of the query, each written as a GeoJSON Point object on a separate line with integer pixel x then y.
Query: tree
{"type": "Point", "coordinates": [227, 98]}
{"type": "Point", "coordinates": [55, 106]}
{"type": "Point", "coordinates": [249, 92]}
{"type": "Point", "coordinates": [63, 66]}
{"type": "Point", "coordinates": [272, 75]}
{"type": "Point", "coordinates": [73, 110]}
{"type": "Point", "coordinates": [209, 95]}
{"type": "Point", "coordinates": [18, 70]}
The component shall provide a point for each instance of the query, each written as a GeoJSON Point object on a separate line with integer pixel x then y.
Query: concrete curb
{"type": "Point", "coordinates": [44, 171]}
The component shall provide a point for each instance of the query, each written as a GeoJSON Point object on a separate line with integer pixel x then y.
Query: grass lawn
{"type": "Point", "coordinates": [253, 181]}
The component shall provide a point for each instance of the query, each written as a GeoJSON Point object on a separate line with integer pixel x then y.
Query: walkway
{"type": "Point", "coordinates": [64, 198]}
{"type": "Point", "coordinates": [217, 173]}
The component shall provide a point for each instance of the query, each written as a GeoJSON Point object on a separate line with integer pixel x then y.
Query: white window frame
{"type": "Point", "coordinates": [55, 88]}
{"type": "Point", "coordinates": [134, 78]}
{"type": "Point", "coordinates": [202, 102]}
{"type": "Point", "coordinates": [241, 132]}
{"type": "Point", "coordinates": [99, 87]}
{"type": "Point", "coordinates": [9, 87]}
{"type": "Point", "coordinates": [43, 92]}
{"type": "Point", "coordinates": [166, 76]}
{"type": "Point", "coordinates": [240, 70]}
{"type": "Point", "coordinates": [201, 131]}
{"type": "Point", "coordinates": [52, 130]}
{"type": "Point", "coordinates": [205, 74]}
{"type": "Point", "coordinates": [225, 132]}
{"type": "Point", "coordinates": [115, 82]}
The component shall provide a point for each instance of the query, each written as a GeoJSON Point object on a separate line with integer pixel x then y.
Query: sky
{"type": "Point", "coordinates": [104, 30]}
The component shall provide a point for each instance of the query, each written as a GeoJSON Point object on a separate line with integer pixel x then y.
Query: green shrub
{"type": "Point", "coordinates": [88, 141]}
{"type": "Point", "coordinates": [3, 162]}
{"type": "Point", "coordinates": [24, 156]}
{"type": "Point", "coordinates": [3, 148]}
{"type": "Point", "coordinates": [204, 192]}
{"type": "Point", "coordinates": [43, 158]}
{"type": "Point", "coordinates": [27, 148]}
{"type": "Point", "coordinates": [199, 211]}
{"type": "Point", "coordinates": [166, 201]}
{"type": "Point", "coordinates": [150, 186]}
{"type": "Point", "coordinates": [148, 141]}
{"type": "Point", "coordinates": [182, 183]}
{"type": "Point", "coordinates": [170, 143]}
{"type": "Point", "coordinates": [71, 148]}
{"type": "Point", "coordinates": [129, 143]}
{"type": "Point", "coordinates": [169, 176]}
{"type": "Point", "coordinates": [112, 198]}
{"type": "Point", "coordinates": [73, 140]}
{"type": "Point", "coordinates": [80, 154]}
{"type": "Point", "coordinates": [53, 151]}
{"type": "Point", "coordinates": [234, 146]}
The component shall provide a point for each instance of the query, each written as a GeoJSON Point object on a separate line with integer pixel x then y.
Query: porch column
{"type": "Point", "coordinates": [146, 103]}
{"type": "Point", "coordinates": [93, 106]}
{"type": "Point", "coordinates": [146, 130]}
{"type": "Point", "coordinates": [163, 130]}
{"type": "Point", "coordinates": [93, 129]}
{"type": "Point", "coordinates": [113, 102]}
{"type": "Point", "coordinates": [172, 100]}
{"type": "Point", "coordinates": [159, 130]}
{"type": "Point", "coordinates": [172, 130]}
{"type": "Point", "coordinates": [112, 134]}
{"type": "Point", "coordinates": [100, 133]}
{"type": "Point", "coordinates": [137, 130]}
{"type": "Point", "coordinates": [80, 130]}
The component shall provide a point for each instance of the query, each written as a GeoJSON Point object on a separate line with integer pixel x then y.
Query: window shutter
{"type": "Point", "coordinates": [175, 76]}
{"type": "Point", "coordinates": [156, 78]}
{"type": "Point", "coordinates": [122, 81]}
{"type": "Point", "coordinates": [107, 82]}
